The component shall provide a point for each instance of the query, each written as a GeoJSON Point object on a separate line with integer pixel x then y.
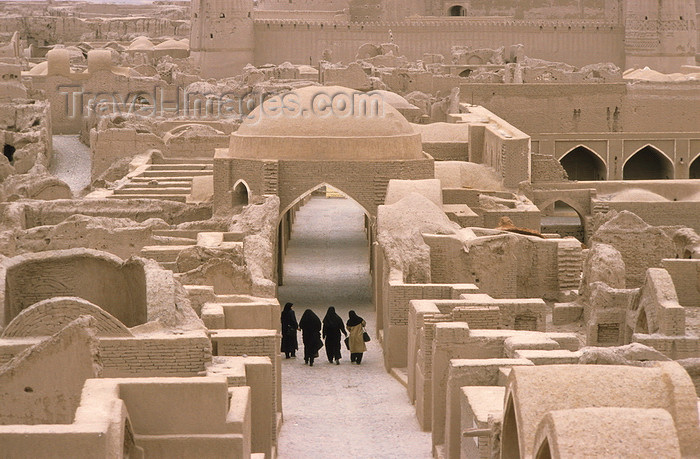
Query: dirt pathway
{"type": "Point", "coordinates": [71, 162]}
{"type": "Point", "coordinates": [344, 411]}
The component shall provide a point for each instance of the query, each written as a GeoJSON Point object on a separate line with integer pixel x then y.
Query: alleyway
{"type": "Point", "coordinates": [71, 162]}
{"type": "Point", "coordinates": [345, 411]}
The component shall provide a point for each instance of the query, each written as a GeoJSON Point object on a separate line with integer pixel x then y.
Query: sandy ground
{"type": "Point", "coordinates": [71, 162]}
{"type": "Point", "coordinates": [344, 411]}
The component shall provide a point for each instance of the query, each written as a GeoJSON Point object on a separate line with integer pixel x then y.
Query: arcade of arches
{"type": "Point", "coordinates": [648, 163]}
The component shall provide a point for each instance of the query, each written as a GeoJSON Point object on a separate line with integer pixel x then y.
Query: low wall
{"type": "Point", "coordinates": [686, 279]}
{"type": "Point", "coordinates": [175, 355]}
{"type": "Point", "coordinates": [671, 213]}
{"type": "Point", "coordinates": [395, 306]}
{"type": "Point", "coordinates": [98, 277]}
{"type": "Point", "coordinates": [262, 343]}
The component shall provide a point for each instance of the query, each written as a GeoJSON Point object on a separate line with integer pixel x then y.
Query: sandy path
{"type": "Point", "coordinates": [71, 162]}
{"type": "Point", "coordinates": [345, 411]}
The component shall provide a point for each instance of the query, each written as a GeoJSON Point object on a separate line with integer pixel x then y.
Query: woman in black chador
{"type": "Point", "coordinates": [310, 326]}
{"type": "Point", "coordinates": [289, 331]}
{"type": "Point", "coordinates": [332, 326]}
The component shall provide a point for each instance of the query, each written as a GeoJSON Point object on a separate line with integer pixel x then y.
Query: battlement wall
{"type": "Point", "coordinates": [303, 42]}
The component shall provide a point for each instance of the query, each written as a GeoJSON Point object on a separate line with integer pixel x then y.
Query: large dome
{"type": "Point", "coordinates": [326, 122]}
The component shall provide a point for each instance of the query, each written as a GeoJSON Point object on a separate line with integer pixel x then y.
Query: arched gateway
{"type": "Point", "coordinates": [320, 134]}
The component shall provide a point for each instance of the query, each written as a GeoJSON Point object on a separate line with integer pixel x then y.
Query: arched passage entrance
{"type": "Point", "coordinates": [458, 10]}
{"type": "Point", "coordinates": [583, 164]}
{"type": "Point", "coordinates": [647, 163]}
{"type": "Point", "coordinates": [562, 219]}
{"type": "Point", "coordinates": [328, 202]}
{"type": "Point", "coordinates": [694, 170]}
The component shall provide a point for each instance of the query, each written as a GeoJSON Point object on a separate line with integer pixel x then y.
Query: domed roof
{"type": "Point", "coordinates": [394, 99]}
{"type": "Point", "coordinates": [173, 44]}
{"type": "Point", "coordinates": [326, 122]}
{"type": "Point", "coordinates": [142, 43]}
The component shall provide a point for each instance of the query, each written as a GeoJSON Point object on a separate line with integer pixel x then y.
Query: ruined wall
{"type": "Point", "coordinates": [682, 213]}
{"type": "Point", "coordinates": [686, 279]}
{"type": "Point", "coordinates": [25, 126]}
{"type": "Point", "coordinates": [504, 266]}
{"type": "Point", "coordinates": [46, 30]}
{"type": "Point", "coordinates": [642, 246]}
{"type": "Point", "coordinates": [43, 384]}
{"type": "Point", "coordinates": [38, 213]}
{"type": "Point", "coordinates": [119, 289]}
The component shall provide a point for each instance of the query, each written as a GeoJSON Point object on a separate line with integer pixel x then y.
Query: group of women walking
{"type": "Point", "coordinates": [313, 330]}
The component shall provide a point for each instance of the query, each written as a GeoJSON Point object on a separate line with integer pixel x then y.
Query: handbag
{"type": "Point", "coordinates": [347, 343]}
{"type": "Point", "coordinates": [365, 336]}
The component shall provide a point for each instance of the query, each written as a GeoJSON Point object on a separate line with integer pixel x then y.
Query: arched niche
{"type": "Point", "coordinates": [648, 163]}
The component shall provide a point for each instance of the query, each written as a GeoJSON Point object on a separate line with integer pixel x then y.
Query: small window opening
{"type": "Point", "coordinates": [458, 10]}
{"type": "Point", "coordinates": [9, 152]}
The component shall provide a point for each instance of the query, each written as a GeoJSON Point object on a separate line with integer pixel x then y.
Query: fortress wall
{"type": "Point", "coordinates": [590, 107]}
{"type": "Point", "coordinates": [54, 29]}
{"type": "Point", "coordinates": [575, 42]}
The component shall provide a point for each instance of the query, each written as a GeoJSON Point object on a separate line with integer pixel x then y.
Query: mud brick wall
{"type": "Point", "coordinates": [674, 347]}
{"type": "Point", "coordinates": [183, 355]}
{"type": "Point", "coordinates": [486, 317]}
{"type": "Point", "coordinates": [258, 342]}
{"type": "Point", "coordinates": [686, 279]}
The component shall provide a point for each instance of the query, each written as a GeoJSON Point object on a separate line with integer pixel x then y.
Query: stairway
{"type": "Point", "coordinates": [170, 243]}
{"type": "Point", "coordinates": [570, 264]}
{"type": "Point", "coordinates": [168, 180]}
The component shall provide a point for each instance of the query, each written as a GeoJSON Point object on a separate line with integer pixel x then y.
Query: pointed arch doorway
{"type": "Point", "coordinates": [324, 245]}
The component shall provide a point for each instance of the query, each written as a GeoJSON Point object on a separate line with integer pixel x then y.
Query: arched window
{"type": "Point", "coordinates": [240, 194]}
{"type": "Point", "coordinates": [510, 444]}
{"type": "Point", "coordinates": [647, 164]}
{"type": "Point", "coordinates": [458, 10]}
{"type": "Point", "coordinates": [544, 452]}
{"type": "Point", "coordinates": [695, 168]}
{"type": "Point", "coordinates": [583, 165]}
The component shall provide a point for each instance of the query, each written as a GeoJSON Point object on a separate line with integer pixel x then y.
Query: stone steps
{"type": "Point", "coordinates": [180, 160]}
{"type": "Point", "coordinates": [175, 173]}
{"type": "Point", "coordinates": [570, 265]}
{"type": "Point", "coordinates": [181, 166]}
{"type": "Point", "coordinates": [189, 234]}
{"type": "Point", "coordinates": [164, 197]}
{"type": "Point", "coordinates": [163, 253]}
{"type": "Point", "coordinates": [185, 191]}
